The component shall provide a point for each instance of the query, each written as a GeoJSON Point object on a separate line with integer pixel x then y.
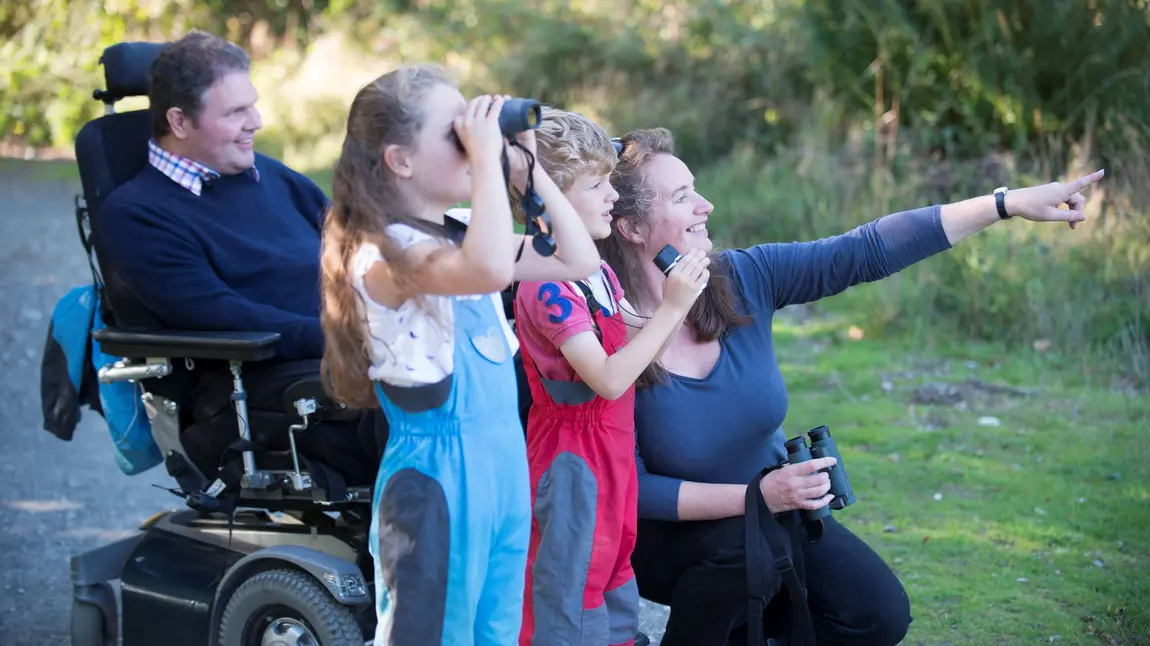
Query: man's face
{"type": "Point", "coordinates": [222, 136]}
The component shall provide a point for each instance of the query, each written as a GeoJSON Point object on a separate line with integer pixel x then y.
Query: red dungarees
{"type": "Point", "coordinates": [580, 588]}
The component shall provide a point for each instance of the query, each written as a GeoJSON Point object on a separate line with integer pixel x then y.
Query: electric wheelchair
{"type": "Point", "coordinates": [269, 550]}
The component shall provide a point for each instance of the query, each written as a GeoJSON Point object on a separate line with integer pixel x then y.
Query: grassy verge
{"type": "Point", "coordinates": [1007, 489]}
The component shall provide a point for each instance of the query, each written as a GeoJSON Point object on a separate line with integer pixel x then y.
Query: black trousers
{"type": "Point", "coordinates": [698, 568]}
{"type": "Point", "coordinates": [353, 448]}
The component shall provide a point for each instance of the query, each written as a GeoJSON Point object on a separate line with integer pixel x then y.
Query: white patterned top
{"type": "Point", "coordinates": [413, 345]}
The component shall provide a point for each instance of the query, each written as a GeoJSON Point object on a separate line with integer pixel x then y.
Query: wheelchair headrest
{"type": "Point", "coordinates": [126, 70]}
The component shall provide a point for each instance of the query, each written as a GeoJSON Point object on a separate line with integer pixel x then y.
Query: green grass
{"type": "Point", "coordinates": [1007, 534]}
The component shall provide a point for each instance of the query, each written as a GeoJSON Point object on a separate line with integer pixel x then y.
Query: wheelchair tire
{"type": "Point", "coordinates": [89, 626]}
{"type": "Point", "coordinates": [290, 604]}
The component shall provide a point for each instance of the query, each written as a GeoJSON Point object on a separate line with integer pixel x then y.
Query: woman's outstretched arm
{"type": "Point", "coordinates": [775, 275]}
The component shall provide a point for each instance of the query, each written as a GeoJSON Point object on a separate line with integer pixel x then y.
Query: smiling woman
{"type": "Point", "coordinates": [709, 413]}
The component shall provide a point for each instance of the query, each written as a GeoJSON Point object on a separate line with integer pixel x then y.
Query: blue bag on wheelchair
{"type": "Point", "coordinates": [68, 380]}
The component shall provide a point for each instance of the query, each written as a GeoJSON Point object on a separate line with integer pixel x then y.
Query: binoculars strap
{"type": "Point", "coordinates": [760, 524]}
{"type": "Point", "coordinates": [593, 303]}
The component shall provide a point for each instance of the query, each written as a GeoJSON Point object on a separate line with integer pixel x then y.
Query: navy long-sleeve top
{"type": "Point", "coordinates": [726, 427]}
{"type": "Point", "coordinates": [243, 256]}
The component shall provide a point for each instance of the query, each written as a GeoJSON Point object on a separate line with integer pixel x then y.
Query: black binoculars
{"type": "Point", "coordinates": [823, 446]}
{"type": "Point", "coordinates": [517, 115]}
{"type": "Point", "coordinates": [667, 258]}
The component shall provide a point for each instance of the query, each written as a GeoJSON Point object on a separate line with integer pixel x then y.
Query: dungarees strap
{"type": "Point", "coordinates": [572, 393]}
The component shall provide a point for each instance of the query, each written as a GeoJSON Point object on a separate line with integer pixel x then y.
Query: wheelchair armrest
{"type": "Point", "coordinates": [228, 346]}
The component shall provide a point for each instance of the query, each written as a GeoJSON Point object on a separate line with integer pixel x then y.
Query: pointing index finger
{"type": "Point", "coordinates": [1086, 180]}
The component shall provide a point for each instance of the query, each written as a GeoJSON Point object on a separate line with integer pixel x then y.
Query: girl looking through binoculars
{"type": "Point", "coordinates": [414, 324]}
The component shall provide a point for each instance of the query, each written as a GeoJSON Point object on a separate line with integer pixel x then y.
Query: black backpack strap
{"type": "Point", "coordinates": [761, 524]}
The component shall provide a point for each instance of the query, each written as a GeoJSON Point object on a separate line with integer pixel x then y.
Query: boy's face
{"type": "Point", "coordinates": [592, 196]}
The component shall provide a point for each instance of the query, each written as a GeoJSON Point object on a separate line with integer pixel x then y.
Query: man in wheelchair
{"type": "Point", "coordinates": [212, 236]}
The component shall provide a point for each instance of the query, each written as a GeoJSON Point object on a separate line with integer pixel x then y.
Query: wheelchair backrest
{"type": "Point", "coordinates": [111, 150]}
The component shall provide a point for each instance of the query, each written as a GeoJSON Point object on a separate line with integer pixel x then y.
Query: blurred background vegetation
{"type": "Point", "coordinates": [801, 118]}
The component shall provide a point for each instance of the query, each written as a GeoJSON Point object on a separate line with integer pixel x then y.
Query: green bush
{"type": "Point", "coordinates": [1086, 291]}
{"type": "Point", "coordinates": [970, 75]}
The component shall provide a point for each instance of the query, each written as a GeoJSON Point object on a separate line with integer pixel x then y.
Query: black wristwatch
{"type": "Point", "coordinates": [1000, 202]}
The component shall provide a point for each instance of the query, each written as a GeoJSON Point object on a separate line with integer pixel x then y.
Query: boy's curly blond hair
{"type": "Point", "coordinates": [569, 145]}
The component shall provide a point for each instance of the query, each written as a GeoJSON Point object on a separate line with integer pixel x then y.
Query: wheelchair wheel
{"type": "Point", "coordinates": [90, 625]}
{"type": "Point", "coordinates": [288, 608]}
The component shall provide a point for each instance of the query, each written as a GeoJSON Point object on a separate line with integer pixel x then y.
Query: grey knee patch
{"type": "Point", "coordinates": [414, 545]}
{"type": "Point", "coordinates": [596, 623]}
{"type": "Point", "coordinates": [622, 611]}
{"type": "Point", "coordinates": [565, 502]}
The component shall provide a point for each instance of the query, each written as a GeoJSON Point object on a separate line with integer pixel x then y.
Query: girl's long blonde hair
{"type": "Point", "coordinates": [365, 200]}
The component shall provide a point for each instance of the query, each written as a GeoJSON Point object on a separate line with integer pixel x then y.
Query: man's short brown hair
{"type": "Point", "coordinates": [184, 71]}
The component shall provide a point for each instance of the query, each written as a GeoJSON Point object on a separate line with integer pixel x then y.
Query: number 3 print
{"type": "Point", "coordinates": [549, 296]}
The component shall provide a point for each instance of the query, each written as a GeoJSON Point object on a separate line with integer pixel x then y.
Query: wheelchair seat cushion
{"type": "Point", "coordinates": [335, 442]}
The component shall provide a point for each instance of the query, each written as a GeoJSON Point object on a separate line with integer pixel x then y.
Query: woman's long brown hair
{"type": "Point", "coordinates": [365, 200]}
{"type": "Point", "coordinates": [714, 313]}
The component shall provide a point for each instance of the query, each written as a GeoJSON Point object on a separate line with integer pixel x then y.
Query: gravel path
{"type": "Point", "coordinates": [59, 498]}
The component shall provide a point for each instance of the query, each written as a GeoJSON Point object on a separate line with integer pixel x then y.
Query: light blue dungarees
{"type": "Point", "coordinates": [451, 518]}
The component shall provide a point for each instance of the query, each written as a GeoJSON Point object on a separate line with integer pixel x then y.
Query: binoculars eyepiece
{"type": "Point", "coordinates": [516, 116]}
{"type": "Point", "coordinates": [823, 446]}
{"type": "Point", "coordinates": [667, 258]}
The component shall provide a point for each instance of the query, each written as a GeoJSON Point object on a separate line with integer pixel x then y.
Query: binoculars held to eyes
{"type": "Point", "coordinates": [517, 115]}
{"type": "Point", "coordinates": [823, 446]}
{"type": "Point", "coordinates": [667, 259]}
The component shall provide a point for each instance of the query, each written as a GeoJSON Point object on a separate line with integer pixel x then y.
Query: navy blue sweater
{"type": "Point", "coordinates": [242, 256]}
{"type": "Point", "coordinates": [727, 426]}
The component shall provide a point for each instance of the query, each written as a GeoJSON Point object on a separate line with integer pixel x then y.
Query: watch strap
{"type": "Point", "coordinates": [1000, 203]}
